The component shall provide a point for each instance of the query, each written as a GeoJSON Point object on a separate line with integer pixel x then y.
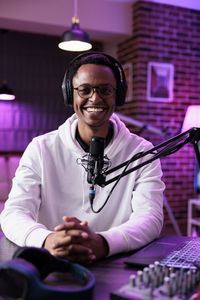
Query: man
{"type": "Point", "coordinates": [49, 202]}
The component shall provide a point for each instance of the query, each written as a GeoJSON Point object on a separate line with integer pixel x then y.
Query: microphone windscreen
{"type": "Point", "coordinates": [97, 146]}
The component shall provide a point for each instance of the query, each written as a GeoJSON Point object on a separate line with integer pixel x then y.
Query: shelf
{"type": "Point", "coordinates": [193, 220]}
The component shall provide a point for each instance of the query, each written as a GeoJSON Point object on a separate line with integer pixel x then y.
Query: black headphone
{"type": "Point", "coordinates": [22, 277]}
{"type": "Point", "coordinates": [115, 66]}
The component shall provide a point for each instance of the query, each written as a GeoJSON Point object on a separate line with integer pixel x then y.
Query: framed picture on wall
{"type": "Point", "coordinates": [128, 71]}
{"type": "Point", "coordinates": [160, 82]}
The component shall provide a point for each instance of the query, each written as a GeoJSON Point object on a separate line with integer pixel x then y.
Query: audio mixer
{"type": "Point", "coordinates": [160, 283]}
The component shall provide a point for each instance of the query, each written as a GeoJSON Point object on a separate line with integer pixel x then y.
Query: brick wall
{"type": "Point", "coordinates": [167, 34]}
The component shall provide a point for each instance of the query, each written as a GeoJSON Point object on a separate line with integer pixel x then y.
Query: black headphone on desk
{"type": "Point", "coordinates": [21, 278]}
{"type": "Point", "coordinates": [98, 58]}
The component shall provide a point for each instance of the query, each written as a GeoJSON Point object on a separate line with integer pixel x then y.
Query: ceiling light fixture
{"type": "Point", "coordinates": [75, 39]}
{"type": "Point", "coordinates": [5, 92]}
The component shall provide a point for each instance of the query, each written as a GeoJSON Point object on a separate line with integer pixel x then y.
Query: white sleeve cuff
{"type": "Point", "coordinates": [37, 237]}
{"type": "Point", "coordinates": [116, 241]}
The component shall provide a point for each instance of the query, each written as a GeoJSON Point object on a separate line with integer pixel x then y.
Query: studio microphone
{"type": "Point", "coordinates": [95, 163]}
{"type": "Point", "coordinates": [95, 158]}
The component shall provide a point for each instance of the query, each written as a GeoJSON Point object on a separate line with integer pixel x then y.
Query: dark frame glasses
{"type": "Point", "coordinates": [86, 91]}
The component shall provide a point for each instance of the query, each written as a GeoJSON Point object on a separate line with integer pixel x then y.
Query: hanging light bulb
{"type": "Point", "coordinates": [75, 39]}
{"type": "Point", "coordinates": [5, 92]}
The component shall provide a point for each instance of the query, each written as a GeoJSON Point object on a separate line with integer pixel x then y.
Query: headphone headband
{"type": "Point", "coordinates": [100, 59]}
{"type": "Point", "coordinates": [21, 277]}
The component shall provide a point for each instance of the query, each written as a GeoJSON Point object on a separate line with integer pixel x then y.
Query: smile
{"type": "Point", "coordinates": [94, 109]}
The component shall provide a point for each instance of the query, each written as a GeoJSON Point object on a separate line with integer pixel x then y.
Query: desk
{"type": "Point", "coordinates": [110, 273]}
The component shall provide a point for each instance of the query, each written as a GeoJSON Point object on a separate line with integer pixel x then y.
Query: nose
{"type": "Point", "coordinates": [95, 95]}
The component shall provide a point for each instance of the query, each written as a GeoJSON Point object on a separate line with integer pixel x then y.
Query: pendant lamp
{"type": "Point", "coordinates": [5, 92]}
{"type": "Point", "coordinates": [75, 39]}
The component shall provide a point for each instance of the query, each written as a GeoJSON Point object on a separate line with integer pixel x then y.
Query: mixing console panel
{"type": "Point", "coordinates": [160, 283]}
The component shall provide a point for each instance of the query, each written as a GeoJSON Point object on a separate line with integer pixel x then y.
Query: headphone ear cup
{"type": "Point", "coordinates": [121, 93]}
{"type": "Point", "coordinates": [64, 90]}
{"type": "Point", "coordinates": [67, 91]}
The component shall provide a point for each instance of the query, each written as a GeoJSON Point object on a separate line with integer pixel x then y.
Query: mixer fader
{"type": "Point", "coordinates": [161, 283]}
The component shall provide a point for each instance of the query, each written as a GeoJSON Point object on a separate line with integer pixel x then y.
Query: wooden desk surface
{"type": "Point", "coordinates": [110, 273]}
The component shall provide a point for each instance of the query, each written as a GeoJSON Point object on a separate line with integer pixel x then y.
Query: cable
{"type": "Point", "coordinates": [92, 193]}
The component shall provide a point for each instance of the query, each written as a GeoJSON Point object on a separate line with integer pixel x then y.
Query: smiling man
{"type": "Point", "coordinates": [94, 100]}
{"type": "Point", "coordinates": [49, 202]}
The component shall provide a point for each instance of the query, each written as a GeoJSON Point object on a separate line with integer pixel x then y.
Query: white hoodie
{"type": "Point", "coordinates": [49, 183]}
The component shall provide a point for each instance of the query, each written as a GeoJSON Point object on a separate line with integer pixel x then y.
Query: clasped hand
{"type": "Point", "coordinates": [75, 241]}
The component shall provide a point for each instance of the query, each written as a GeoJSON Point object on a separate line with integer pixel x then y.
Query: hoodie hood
{"type": "Point", "coordinates": [67, 132]}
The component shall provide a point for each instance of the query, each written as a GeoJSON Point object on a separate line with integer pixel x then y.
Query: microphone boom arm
{"type": "Point", "coordinates": [168, 147]}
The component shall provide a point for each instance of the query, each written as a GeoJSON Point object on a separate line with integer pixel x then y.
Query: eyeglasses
{"type": "Point", "coordinates": [86, 91]}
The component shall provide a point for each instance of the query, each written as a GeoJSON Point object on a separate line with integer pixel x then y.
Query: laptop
{"type": "Point", "coordinates": [168, 250]}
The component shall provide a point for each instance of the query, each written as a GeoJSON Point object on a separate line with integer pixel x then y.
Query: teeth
{"type": "Point", "coordinates": [94, 109]}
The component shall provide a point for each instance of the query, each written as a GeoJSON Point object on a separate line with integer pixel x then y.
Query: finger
{"type": "Point", "coordinates": [84, 223]}
{"type": "Point", "coordinates": [83, 259]}
{"type": "Point", "coordinates": [74, 233]}
{"type": "Point", "coordinates": [76, 250]}
{"type": "Point", "coordinates": [65, 226]}
{"type": "Point", "coordinates": [71, 219]}
{"type": "Point", "coordinates": [77, 221]}
{"type": "Point", "coordinates": [60, 252]}
{"type": "Point", "coordinates": [80, 253]}
{"type": "Point", "coordinates": [72, 236]}
{"type": "Point", "coordinates": [75, 253]}
{"type": "Point", "coordinates": [70, 225]}
{"type": "Point", "coordinates": [60, 243]}
{"type": "Point", "coordinates": [72, 250]}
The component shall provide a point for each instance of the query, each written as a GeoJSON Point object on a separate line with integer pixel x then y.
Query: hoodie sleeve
{"type": "Point", "coordinates": [21, 209]}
